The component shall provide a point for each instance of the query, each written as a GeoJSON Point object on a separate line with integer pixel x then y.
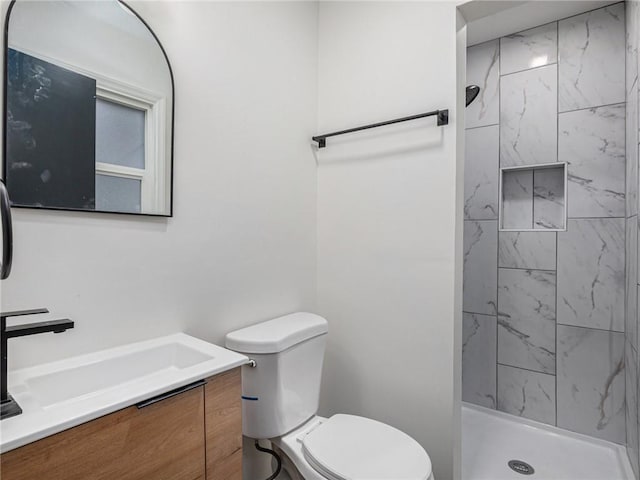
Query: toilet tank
{"type": "Point", "coordinates": [282, 391]}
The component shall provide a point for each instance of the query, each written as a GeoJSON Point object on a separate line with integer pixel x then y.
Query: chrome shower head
{"type": "Point", "coordinates": [471, 93]}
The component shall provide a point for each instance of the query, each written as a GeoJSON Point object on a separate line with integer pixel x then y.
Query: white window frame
{"type": "Point", "coordinates": [154, 182]}
{"type": "Point", "coordinates": [153, 186]}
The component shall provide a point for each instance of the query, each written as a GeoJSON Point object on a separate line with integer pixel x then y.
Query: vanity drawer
{"type": "Point", "coordinates": [163, 441]}
{"type": "Point", "coordinates": [223, 421]}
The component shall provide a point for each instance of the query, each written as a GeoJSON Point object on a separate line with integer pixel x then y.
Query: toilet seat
{"type": "Point", "coordinates": [348, 447]}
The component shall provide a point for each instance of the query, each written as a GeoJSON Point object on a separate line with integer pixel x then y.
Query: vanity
{"type": "Point", "coordinates": [163, 409]}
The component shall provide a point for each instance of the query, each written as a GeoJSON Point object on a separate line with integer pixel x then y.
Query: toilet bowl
{"type": "Point", "coordinates": [350, 447]}
{"type": "Point", "coordinates": [280, 393]}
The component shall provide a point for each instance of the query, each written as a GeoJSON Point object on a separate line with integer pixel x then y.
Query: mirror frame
{"type": "Point", "coordinates": [5, 58]}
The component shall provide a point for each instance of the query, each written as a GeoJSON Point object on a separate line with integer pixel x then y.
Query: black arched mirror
{"type": "Point", "coordinates": [89, 100]}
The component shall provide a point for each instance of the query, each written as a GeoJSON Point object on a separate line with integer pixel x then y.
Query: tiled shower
{"type": "Point", "coordinates": [547, 324]}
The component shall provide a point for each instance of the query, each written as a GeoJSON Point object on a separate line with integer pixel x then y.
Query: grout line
{"type": "Point", "coordinates": [626, 235]}
{"type": "Point", "coordinates": [594, 107]}
{"type": "Point", "coordinates": [545, 270]}
{"type": "Point", "coordinates": [533, 198]}
{"type": "Point", "coordinates": [557, 238]}
{"type": "Point", "coordinates": [480, 219]}
{"type": "Point", "coordinates": [529, 69]}
{"type": "Point", "coordinates": [527, 370]}
{"type": "Point", "coordinates": [596, 218]}
{"type": "Point", "coordinates": [483, 314]}
{"type": "Point", "coordinates": [500, 210]}
{"type": "Point", "coordinates": [590, 328]}
{"type": "Point", "coordinates": [482, 126]}
{"type": "Point", "coordinates": [583, 13]}
{"type": "Point", "coordinates": [566, 208]}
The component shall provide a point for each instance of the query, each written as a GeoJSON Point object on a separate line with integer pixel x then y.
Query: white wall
{"type": "Point", "coordinates": [70, 33]}
{"type": "Point", "coordinates": [241, 247]}
{"type": "Point", "coordinates": [389, 252]}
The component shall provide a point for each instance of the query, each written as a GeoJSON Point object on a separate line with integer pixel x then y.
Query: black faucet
{"type": "Point", "coordinates": [8, 406]}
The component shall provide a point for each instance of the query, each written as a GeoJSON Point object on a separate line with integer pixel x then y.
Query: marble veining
{"type": "Point", "coordinates": [631, 407]}
{"type": "Point", "coordinates": [479, 359]}
{"type": "Point", "coordinates": [529, 49]}
{"type": "Point", "coordinates": [483, 69]}
{"type": "Point", "coordinates": [591, 382]}
{"type": "Point", "coordinates": [635, 339]}
{"type": "Point", "coordinates": [548, 198]}
{"type": "Point", "coordinates": [631, 281]}
{"type": "Point", "coordinates": [591, 58]}
{"type": "Point", "coordinates": [481, 173]}
{"type": "Point", "coordinates": [526, 319]}
{"type": "Point", "coordinates": [480, 258]}
{"type": "Point", "coordinates": [528, 117]}
{"type": "Point", "coordinates": [632, 31]}
{"type": "Point", "coordinates": [632, 151]}
{"type": "Point", "coordinates": [517, 195]}
{"type": "Point", "coordinates": [556, 313]}
{"type": "Point", "coordinates": [527, 394]}
{"type": "Point", "coordinates": [529, 250]}
{"type": "Point", "coordinates": [592, 142]}
{"type": "Point", "coordinates": [591, 273]}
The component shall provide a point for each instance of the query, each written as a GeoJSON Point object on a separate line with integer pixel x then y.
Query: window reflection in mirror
{"type": "Point", "coordinates": [89, 109]}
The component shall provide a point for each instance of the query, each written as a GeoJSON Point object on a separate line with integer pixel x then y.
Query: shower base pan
{"type": "Point", "coordinates": [492, 439]}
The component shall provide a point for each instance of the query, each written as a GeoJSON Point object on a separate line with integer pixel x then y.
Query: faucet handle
{"type": "Point", "coordinates": [19, 313]}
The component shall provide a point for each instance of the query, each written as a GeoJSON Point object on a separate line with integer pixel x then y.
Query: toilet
{"type": "Point", "coordinates": [280, 394]}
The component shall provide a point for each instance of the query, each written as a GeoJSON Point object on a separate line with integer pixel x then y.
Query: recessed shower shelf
{"type": "Point", "coordinates": [533, 198]}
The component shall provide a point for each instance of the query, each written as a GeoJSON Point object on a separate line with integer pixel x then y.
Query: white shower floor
{"type": "Point", "coordinates": [490, 439]}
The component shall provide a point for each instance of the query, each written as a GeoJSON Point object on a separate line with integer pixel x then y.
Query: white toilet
{"type": "Point", "coordinates": [280, 401]}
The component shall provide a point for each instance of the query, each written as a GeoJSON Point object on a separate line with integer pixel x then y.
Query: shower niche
{"type": "Point", "coordinates": [533, 198]}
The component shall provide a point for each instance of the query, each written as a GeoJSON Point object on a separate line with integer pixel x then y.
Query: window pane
{"type": "Point", "coordinates": [119, 134]}
{"type": "Point", "coordinates": [117, 194]}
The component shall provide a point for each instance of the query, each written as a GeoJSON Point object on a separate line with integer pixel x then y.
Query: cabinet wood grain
{"type": "Point", "coordinates": [164, 441]}
{"type": "Point", "coordinates": [223, 423]}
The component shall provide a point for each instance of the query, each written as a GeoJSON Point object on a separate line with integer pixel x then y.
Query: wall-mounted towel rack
{"type": "Point", "coordinates": [443, 119]}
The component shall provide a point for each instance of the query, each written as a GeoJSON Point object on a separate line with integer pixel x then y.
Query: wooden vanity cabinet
{"type": "Point", "coordinates": [195, 435]}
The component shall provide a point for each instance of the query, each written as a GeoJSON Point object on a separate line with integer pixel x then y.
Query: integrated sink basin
{"type": "Point", "coordinates": [92, 378]}
{"type": "Point", "coordinates": [59, 395]}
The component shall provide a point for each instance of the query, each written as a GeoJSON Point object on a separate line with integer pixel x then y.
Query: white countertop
{"type": "Point", "coordinates": [59, 395]}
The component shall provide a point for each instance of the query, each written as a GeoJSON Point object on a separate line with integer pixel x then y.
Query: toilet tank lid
{"type": "Point", "coordinates": [277, 335]}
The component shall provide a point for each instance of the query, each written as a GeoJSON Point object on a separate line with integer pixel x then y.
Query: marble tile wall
{"type": "Point", "coordinates": [480, 181]}
{"type": "Point", "coordinates": [517, 190]}
{"type": "Point", "coordinates": [483, 69]}
{"type": "Point", "coordinates": [527, 394]}
{"type": "Point", "coordinates": [529, 250]}
{"type": "Point", "coordinates": [529, 49]}
{"type": "Point", "coordinates": [529, 117]}
{"type": "Point", "coordinates": [631, 329]}
{"type": "Point", "coordinates": [591, 273]}
{"type": "Point", "coordinates": [479, 359]}
{"type": "Point", "coordinates": [527, 319]}
{"type": "Point", "coordinates": [591, 382]}
{"type": "Point", "coordinates": [547, 315]}
{"type": "Point", "coordinates": [479, 285]}
{"type": "Point", "coordinates": [591, 59]}
{"type": "Point", "coordinates": [548, 198]}
{"type": "Point", "coordinates": [592, 142]}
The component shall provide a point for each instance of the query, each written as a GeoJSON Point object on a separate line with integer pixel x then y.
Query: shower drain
{"type": "Point", "coordinates": [521, 467]}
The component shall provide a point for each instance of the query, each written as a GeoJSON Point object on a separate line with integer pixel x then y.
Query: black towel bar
{"type": "Point", "coordinates": [443, 119]}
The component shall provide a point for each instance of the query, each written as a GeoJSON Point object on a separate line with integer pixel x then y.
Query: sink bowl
{"type": "Point", "coordinates": [59, 395]}
{"type": "Point", "coordinates": [92, 378]}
